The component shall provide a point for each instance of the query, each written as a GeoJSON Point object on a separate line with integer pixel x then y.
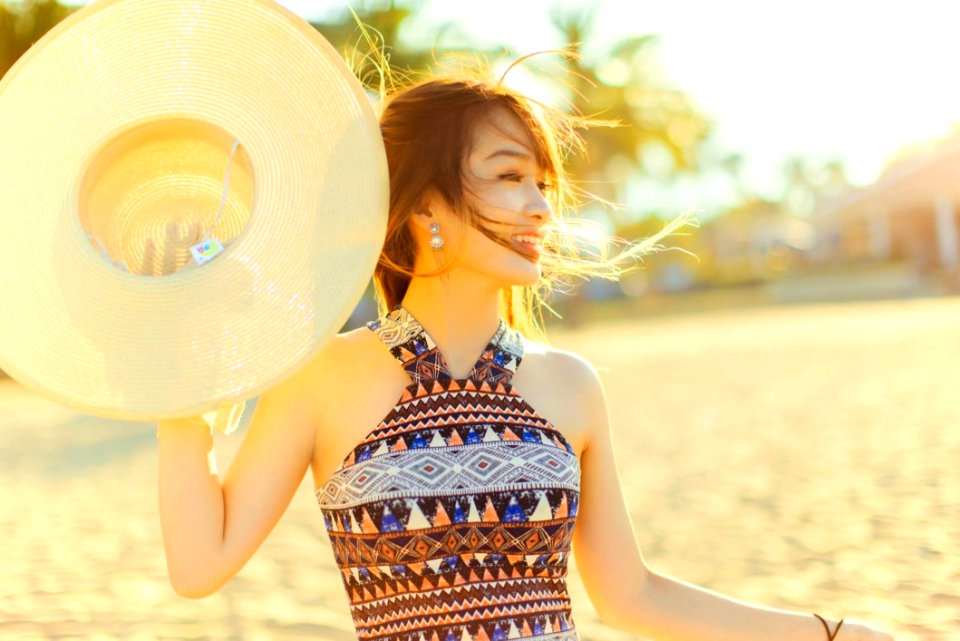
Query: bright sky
{"type": "Point", "coordinates": [853, 79]}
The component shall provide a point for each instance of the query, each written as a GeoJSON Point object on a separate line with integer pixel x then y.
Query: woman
{"type": "Point", "coordinates": [454, 517]}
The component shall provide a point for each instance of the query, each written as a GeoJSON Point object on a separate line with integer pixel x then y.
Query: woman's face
{"type": "Point", "coordinates": [501, 179]}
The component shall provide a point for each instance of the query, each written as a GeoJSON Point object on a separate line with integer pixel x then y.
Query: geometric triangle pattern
{"type": "Point", "coordinates": [452, 519]}
{"type": "Point", "coordinates": [409, 342]}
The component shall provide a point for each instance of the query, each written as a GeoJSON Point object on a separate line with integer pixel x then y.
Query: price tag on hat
{"type": "Point", "coordinates": [205, 251]}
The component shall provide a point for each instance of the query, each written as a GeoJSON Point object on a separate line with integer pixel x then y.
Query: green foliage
{"type": "Point", "coordinates": [23, 23]}
{"type": "Point", "coordinates": [621, 82]}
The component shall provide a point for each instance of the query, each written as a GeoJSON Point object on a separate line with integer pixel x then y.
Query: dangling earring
{"type": "Point", "coordinates": [435, 241]}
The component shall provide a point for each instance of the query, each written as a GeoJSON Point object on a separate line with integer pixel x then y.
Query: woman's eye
{"type": "Point", "coordinates": [542, 186]}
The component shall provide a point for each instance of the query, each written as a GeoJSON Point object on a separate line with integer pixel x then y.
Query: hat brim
{"type": "Point", "coordinates": [122, 345]}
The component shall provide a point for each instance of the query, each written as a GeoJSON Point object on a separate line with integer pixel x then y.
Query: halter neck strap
{"type": "Point", "coordinates": [414, 348]}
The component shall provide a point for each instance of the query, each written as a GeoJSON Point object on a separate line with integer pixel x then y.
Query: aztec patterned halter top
{"type": "Point", "coordinates": [452, 519]}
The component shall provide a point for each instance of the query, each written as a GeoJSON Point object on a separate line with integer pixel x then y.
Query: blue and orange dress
{"type": "Point", "coordinates": [452, 519]}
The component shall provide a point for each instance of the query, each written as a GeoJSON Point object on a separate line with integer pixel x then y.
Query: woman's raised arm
{"type": "Point", "coordinates": [211, 529]}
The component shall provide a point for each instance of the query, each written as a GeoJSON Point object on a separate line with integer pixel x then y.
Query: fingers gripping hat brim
{"type": "Point", "coordinates": [121, 119]}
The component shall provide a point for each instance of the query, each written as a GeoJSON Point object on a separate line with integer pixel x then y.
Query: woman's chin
{"type": "Point", "coordinates": [526, 274]}
{"type": "Point", "coordinates": [513, 271]}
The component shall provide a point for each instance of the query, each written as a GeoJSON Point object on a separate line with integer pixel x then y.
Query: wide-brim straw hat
{"type": "Point", "coordinates": [136, 130]}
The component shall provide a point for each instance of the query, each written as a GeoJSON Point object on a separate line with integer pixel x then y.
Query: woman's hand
{"type": "Point", "coordinates": [182, 423]}
{"type": "Point", "coordinates": [858, 631]}
{"type": "Point", "coordinates": [224, 420]}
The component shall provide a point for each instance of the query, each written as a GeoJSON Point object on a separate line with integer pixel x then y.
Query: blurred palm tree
{"type": "Point", "coordinates": [659, 122]}
{"type": "Point", "coordinates": [384, 23]}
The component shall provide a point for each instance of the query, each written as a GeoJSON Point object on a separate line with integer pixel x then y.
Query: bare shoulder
{"type": "Point", "coordinates": [355, 383]}
{"type": "Point", "coordinates": [330, 385]}
{"type": "Point", "coordinates": [565, 387]}
{"type": "Point", "coordinates": [345, 357]}
{"type": "Point", "coordinates": [347, 343]}
{"type": "Point", "coordinates": [574, 367]}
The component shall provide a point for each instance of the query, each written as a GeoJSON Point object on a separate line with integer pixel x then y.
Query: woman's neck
{"type": "Point", "coordinates": [460, 317]}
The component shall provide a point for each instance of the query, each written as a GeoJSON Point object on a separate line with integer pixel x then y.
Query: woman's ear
{"type": "Point", "coordinates": [423, 215]}
{"type": "Point", "coordinates": [425, 205]}
{"type": "Point", "coordinates": [420, 218]}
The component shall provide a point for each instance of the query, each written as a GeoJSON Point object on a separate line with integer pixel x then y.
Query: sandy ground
{"type": "Point", "coordinates": [800, 457]}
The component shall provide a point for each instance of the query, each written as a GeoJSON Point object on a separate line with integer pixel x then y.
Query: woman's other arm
{"type": "Point", "coordinates": [211, 529]}
{"type": "Point", "coordinates": [629, 595]}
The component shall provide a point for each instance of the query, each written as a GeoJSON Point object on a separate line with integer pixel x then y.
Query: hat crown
{"type": "Point", "coordinates": [161, 188]}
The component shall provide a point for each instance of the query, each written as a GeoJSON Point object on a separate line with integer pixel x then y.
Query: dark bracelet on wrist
{"type": "Point", "coordinates": [830, 635]}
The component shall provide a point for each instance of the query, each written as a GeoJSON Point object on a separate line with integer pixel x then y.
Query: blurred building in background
{"type": "Point", "coordinates": [755, 242]}
{"type": "Point", "coordinates": [912, 213]}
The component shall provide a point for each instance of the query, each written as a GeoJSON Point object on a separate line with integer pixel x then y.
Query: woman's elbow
{"type": "Point", "coordinates": [192, 588]}
{"type": "Point", "coordinates": [189, 591]}
{"type": "Point", "coordinates": [199, 577]}
{"type": "Point", "coordinates": [622, 610]}
{"type": "Point", "coordinates": [618, 619]}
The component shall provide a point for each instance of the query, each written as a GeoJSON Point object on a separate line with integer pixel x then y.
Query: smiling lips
{"type": "Point", "coordinates": [529, 241]}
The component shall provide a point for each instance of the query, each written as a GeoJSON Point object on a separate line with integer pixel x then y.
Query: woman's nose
{"type": "Point", "coordinates": [539, 207]}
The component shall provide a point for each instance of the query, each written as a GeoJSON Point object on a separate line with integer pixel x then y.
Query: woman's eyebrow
{"type": "Point", "coordinates": [516, 153]}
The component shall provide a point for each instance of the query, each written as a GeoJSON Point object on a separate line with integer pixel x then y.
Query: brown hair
{"type": "Point", "coordinates": [427, 122]}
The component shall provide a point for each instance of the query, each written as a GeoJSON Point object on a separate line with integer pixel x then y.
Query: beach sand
{"type": "Point", "coordinates": [799, 457]}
